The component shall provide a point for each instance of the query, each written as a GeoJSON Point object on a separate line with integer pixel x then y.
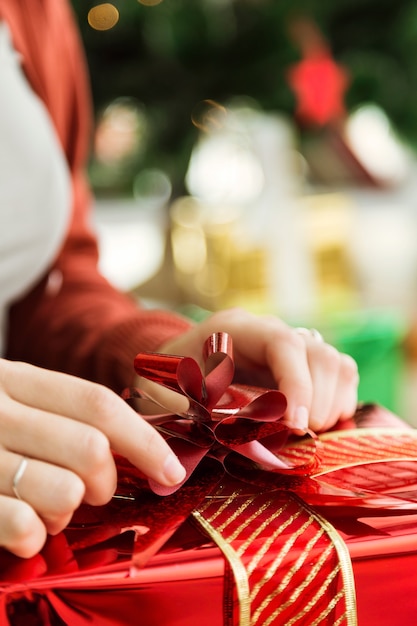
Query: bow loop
{"type": "Point", "coordinates": [222, 419]}
{"type": "Point", "coordinates": [178, 373]}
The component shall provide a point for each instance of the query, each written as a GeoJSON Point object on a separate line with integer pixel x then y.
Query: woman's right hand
{"type": "Point", "coordinates": [66, 429]}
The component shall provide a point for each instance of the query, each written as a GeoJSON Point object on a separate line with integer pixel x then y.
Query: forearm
{"type": "Point", "coordinates": [86, 328]}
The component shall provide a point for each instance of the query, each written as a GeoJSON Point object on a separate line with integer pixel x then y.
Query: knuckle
{"type": "Point", "coordinates": [349, 369]}
{"type": "Point", "coordinates": [282, 335]}
{"type": "Point", "coordinates": [66, 492]}
{"type": "Point", "coordinates": [97, 467]}
{"type": "Point", "coordinates": [291, 339]}
{"type": "Point", "coordinates": [6, 418]}
{"type": "Point", "coordinates": [56, 525]}
{"type": "Point", "coordinates": [96, 447]}
{"type": "Point", "coordinates": [21, 521]}
{"type": "Point", "coordinates": [22, 531]}
{"type": "Point", "coordinates": [330, 355]}
{"type": "Point", "coordinates": [101, 400]}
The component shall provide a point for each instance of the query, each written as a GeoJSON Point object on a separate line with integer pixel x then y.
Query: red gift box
{"type": "Point", "coordinates": [326, 536]}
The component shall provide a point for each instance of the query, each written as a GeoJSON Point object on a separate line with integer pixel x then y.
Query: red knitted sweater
{"type": "Point", "coordinates": [86, 327]}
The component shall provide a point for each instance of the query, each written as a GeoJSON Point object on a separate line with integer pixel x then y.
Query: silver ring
{"type": "Point", "coordinates": [18, 476]}
{"type": "Point", "coordinates": [309, 332]}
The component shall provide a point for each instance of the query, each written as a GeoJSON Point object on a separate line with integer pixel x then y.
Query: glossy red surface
{"type": "Point", "coordinates": [144, 559]}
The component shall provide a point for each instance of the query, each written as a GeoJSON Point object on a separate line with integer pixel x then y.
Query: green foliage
{"type": "Point", "coordinates": [171, 56]}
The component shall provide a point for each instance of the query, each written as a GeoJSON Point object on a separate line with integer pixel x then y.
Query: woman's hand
{"type": "Point", "coordinates": [65, 428]}
{"type": "Point", "coordinates": [319, 382]}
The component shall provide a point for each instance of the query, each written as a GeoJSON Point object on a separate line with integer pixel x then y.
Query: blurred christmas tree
{"type": "Point", "coordinates": [171, 56]}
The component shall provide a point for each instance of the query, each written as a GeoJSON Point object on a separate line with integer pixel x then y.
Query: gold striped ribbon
{"type": "Point", "coordinates": [290, 565]}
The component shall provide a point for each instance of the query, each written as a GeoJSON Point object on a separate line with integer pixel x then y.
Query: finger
{"type": "Point", "coordinates": [345, 398]}
{"type": "Point", "coordinates": [249, 333]}
{"type": "Point", "coordinates": [324, 363]}
{"type": "Point", "coordinates": [260, 342]}
{"type": "Point", "coordinates": [62, 443]}
{"type": "Point", "coordinates": [52, 492]}
{"type": "Point", "coordinates": [21, 530]}
{"type": "Point", "coordinates": [289, 364]}
{"type": "Point", "coordinates": [99, 407]}
{"type": "Point", "coordinates": [335, 381]}
{"type": "Point", "coordinates": [317, 393]}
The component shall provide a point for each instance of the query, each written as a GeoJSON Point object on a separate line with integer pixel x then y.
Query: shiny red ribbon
{"type": "Point", "coordinates": [239, 425]}
{"type": "Point", "coordinates": [353, 476]}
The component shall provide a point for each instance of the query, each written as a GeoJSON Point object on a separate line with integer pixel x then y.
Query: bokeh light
{"type": "Point", "coordinates": [209, 115]}
{"type": "Point", "coordinates": [103, 16]}
{"type": "Point", "coordinates": [120, 132]}
{"type": "Point", "coordinates": [371, 137]}
{"type": "Point", "coordinates": [223, 166]}
{"type": "Point", "coordinates": [152, 188]}
{"type": "Point", "coordinates": [187, 234]}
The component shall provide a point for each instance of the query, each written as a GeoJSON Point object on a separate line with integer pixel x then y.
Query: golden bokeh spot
{"type": "Point", "coordinates": [209, 115]}
{"type": "Point", "coordinates": [150, 3]}
{"type": "Point", "coordinates": [103, 16]}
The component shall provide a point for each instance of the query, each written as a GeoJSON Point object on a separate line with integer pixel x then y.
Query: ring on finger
{"type": "Point", "coordinates": [309, 332]}
{"type": "Point", "coordinates": [18, 476]}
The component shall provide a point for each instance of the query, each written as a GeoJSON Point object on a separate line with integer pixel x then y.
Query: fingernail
{"type": "Point", "coordinates": [300, 419]}
{"type": "Point", "coordinates": [174, 472]}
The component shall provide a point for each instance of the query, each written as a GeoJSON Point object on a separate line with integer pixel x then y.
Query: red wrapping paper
{"type": "Point", "coordinates": [197, 554]}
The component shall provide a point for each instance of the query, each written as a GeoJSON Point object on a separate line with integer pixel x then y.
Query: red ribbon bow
{"type": "Point", "coordinates": [239, 425]}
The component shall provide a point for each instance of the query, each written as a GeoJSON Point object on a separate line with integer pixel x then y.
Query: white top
{"type": "Point", "coordinates": [35, 190]}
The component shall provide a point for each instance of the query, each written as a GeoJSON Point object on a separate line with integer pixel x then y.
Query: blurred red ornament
{"type": "Point", "coordinates": [318, 82]}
